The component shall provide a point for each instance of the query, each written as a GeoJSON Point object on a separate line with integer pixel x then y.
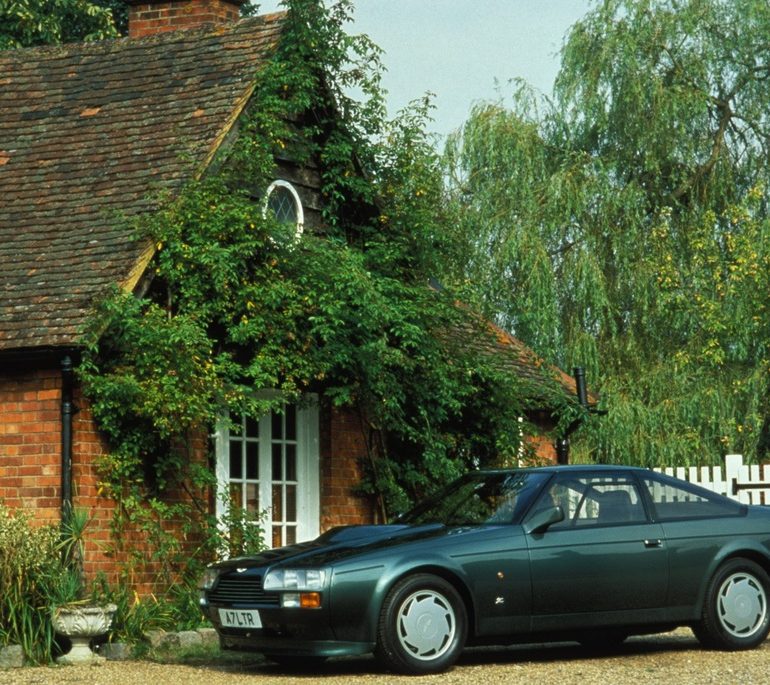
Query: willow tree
{"type": "Point", "coordinates": [622, 224]}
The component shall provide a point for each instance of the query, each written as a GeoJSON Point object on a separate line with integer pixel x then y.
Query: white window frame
{"type": "Point", "coordinates": [308, 471]}
{"type": "Point", "coordinates": [280, 183]}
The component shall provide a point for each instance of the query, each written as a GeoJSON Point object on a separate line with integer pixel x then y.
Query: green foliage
{"type": "Point", "coordinates": [135, 616]}
{"type": "Point", "coordinates": [623, 225]}
{"type": "Point", "coordinates": [119, 11]}
{"type": "Point", "coordinates": [237, 304]}
{"type": "Point", "coordinates": [25, 23]}
{"type": "Point", "coordinates": [71, 586]}
{"type": "Point", "coordinates": [240, 532]}
{"type": "Point", "coordinates": [31, 573]}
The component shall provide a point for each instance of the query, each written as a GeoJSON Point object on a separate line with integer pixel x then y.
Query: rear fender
{"type": "Point", "coordinates": [740, 548]}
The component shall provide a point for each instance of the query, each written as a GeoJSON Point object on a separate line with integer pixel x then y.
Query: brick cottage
{"type": "Point", "coordinates": [88, 132]}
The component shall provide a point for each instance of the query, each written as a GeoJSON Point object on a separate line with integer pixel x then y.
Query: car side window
{"type": "Point", "coordinates": [594, 500]}
{"type": "Point", "coordinates": [674, 500]}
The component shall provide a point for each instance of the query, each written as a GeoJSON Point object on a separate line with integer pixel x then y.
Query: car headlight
{"type": "Point", "coordinates": [311, 579]}
{"type": "Point", "coordinates": [208, 579]}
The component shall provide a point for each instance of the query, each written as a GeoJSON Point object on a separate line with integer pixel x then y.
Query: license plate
{"type": "Point", "coordinates": [240, 618]}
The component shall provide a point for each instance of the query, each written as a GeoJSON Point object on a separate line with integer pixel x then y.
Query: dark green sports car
{"type": "Point", "coordinates": [584, 553]}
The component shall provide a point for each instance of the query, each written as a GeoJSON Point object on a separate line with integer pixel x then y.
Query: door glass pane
{"type": "Point", "coordinates": [277, 422]}
{"type": "Point", "coordinates": [235, 495]}
{"type": "Point", "coordinates": [252, 427]}
{"type": "Point", "coordinates": [277, 503]}
{"type": "Point", "coordinates": [291, 503]}
{"type": "Point", "coordinates": [277, 462]}
{"type": "Point", "coordinates": [291, 463]}
{"type": "Point", "coordinates": [277, 534]}
{"type": "Point", "coordinates": [252, 460]}
{"type": "Point", "coordinates": [236, 463]}
{"type": "Point", "coordinates": [291, 535]}
{"type": "Point", "coordinates": [252, 498]}
{"type": "Point", "coordinates": [291, 422]}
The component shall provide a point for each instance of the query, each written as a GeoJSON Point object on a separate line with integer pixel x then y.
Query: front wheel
{"type": "Point", "coordinates": [735, 613]}
{"type": "Point", "coordinates": [422, 627]}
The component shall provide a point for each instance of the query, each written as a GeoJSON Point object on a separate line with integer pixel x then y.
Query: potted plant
{"type": "Point", "coordinates": [73, 615]}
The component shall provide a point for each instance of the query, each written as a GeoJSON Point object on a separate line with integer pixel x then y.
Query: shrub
{"type": "Point", "coordinates": [30, 571]}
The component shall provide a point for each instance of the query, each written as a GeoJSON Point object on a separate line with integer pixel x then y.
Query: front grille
{"type": "Point", "coordinates": [244, 590]}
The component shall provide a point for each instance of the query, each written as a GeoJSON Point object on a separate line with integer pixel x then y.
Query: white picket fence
{"type": "Point", "coordinates": [747, 483]}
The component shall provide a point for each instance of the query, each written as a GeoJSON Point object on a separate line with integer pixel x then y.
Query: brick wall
{"type": "Point", "coordinates": [148, 17]}
{"type": "Point", "coordinates": [540, 449]}
{"type": "Point", "coordinates": [30, 439]}
{"type": "Point", "coordinates": [30, 468]}
{"type": "Point", "coordinates": [343, 446]}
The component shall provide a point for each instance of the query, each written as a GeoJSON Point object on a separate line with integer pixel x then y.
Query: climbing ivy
{"type": "Point", "coordinates": [237, 304]}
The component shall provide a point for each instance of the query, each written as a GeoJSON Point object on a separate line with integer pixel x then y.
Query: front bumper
{"type": "Point", "coordinates": [301, 632]}
{"type": "Point", "coordinates": [264, 642]}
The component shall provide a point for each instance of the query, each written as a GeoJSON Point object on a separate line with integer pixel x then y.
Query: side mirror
{"type": "Point", "coordinates": [542, 520]}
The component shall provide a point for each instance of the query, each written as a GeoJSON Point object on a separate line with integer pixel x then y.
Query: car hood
{"type": "Point", "coordinates": [339, 543]}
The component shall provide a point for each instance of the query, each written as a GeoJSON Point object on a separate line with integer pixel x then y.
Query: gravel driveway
{"type": "Point", "coordinates": [674, 658]}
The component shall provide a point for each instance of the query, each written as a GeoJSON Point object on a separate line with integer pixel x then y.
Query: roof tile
{"type": "Point", "coordinates": [89, 132]}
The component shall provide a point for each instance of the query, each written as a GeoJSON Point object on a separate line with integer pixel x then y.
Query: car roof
{"type": "Point", "coordinates": [568, 468]}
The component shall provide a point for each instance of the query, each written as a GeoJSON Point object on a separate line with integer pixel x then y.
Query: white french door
{"type": "Point", "coordinates": [269, 466]}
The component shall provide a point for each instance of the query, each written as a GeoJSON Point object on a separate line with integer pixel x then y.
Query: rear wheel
{"type": "Point", "coordinates": [735, 612]}
{"type": "Point", "coordinates": [422, 626]}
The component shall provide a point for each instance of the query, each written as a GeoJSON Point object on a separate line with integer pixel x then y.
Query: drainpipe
{"type": "Point", "coordinates": [67, 411]}
{"type": "Point", "coordinates": [562, 443]}
{"type": "Point", "coordinates": [580, 386]}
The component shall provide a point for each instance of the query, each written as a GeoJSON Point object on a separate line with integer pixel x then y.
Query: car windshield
{"type": "Point", "coordinates": [478, 498]}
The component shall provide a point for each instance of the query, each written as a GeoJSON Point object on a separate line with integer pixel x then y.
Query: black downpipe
{"type": "Point", "coordinates": [67, 411]}
{"type": "Point", "coordinates": [562, 443]}
{"type": "Point", "coordinates": [580, 386]}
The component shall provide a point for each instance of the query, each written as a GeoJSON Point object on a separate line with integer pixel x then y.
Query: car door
{"type": "Point", "coordinates": [605, 564]}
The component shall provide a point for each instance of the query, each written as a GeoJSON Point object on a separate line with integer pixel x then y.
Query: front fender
{"type": "Point", "coordinates": [359, 593]}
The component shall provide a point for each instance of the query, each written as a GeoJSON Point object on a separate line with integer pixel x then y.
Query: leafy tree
{"type": "Point", "coordinates": [119, 11]}
{"type": "Point", "coordinates": [623, 224]}
{"type": "Point", "coordinates": [26, 23]}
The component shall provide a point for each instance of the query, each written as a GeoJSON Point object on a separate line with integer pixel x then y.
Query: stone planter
{"type": "Point", "coordinates": [82, 623]}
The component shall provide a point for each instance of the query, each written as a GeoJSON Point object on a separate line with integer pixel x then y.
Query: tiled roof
{"type": "Point", "coordinates": [90, 132]}
{"type": "Point", "coordinates": [508, 353]}
{"type": "Point", "coordinates": [527, 364]}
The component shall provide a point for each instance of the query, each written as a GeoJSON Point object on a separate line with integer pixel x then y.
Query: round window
{"type": "Point", "coordinates": [283, 202]}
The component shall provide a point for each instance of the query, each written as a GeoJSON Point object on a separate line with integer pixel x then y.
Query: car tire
{"type": "Point", "coordinates": [423, 625]}
{"type": "Point", "coordinates": [735, 611]}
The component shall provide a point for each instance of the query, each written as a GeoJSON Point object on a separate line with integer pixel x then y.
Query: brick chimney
{"type": "Point", "coordinates": [146, 17]}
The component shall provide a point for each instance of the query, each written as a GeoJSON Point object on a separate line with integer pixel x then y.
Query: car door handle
{"type": "Point", "coordinates": [653, 543]}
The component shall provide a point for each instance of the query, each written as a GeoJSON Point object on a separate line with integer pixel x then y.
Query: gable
{"type": "Point", "coordinates": [89, 134]}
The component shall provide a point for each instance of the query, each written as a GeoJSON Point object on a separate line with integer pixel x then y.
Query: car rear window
{"type": "Point", "coordinates": [673, 500]}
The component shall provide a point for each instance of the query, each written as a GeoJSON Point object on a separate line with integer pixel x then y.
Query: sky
{"type": "Point", "coordinates": [462, 51]}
